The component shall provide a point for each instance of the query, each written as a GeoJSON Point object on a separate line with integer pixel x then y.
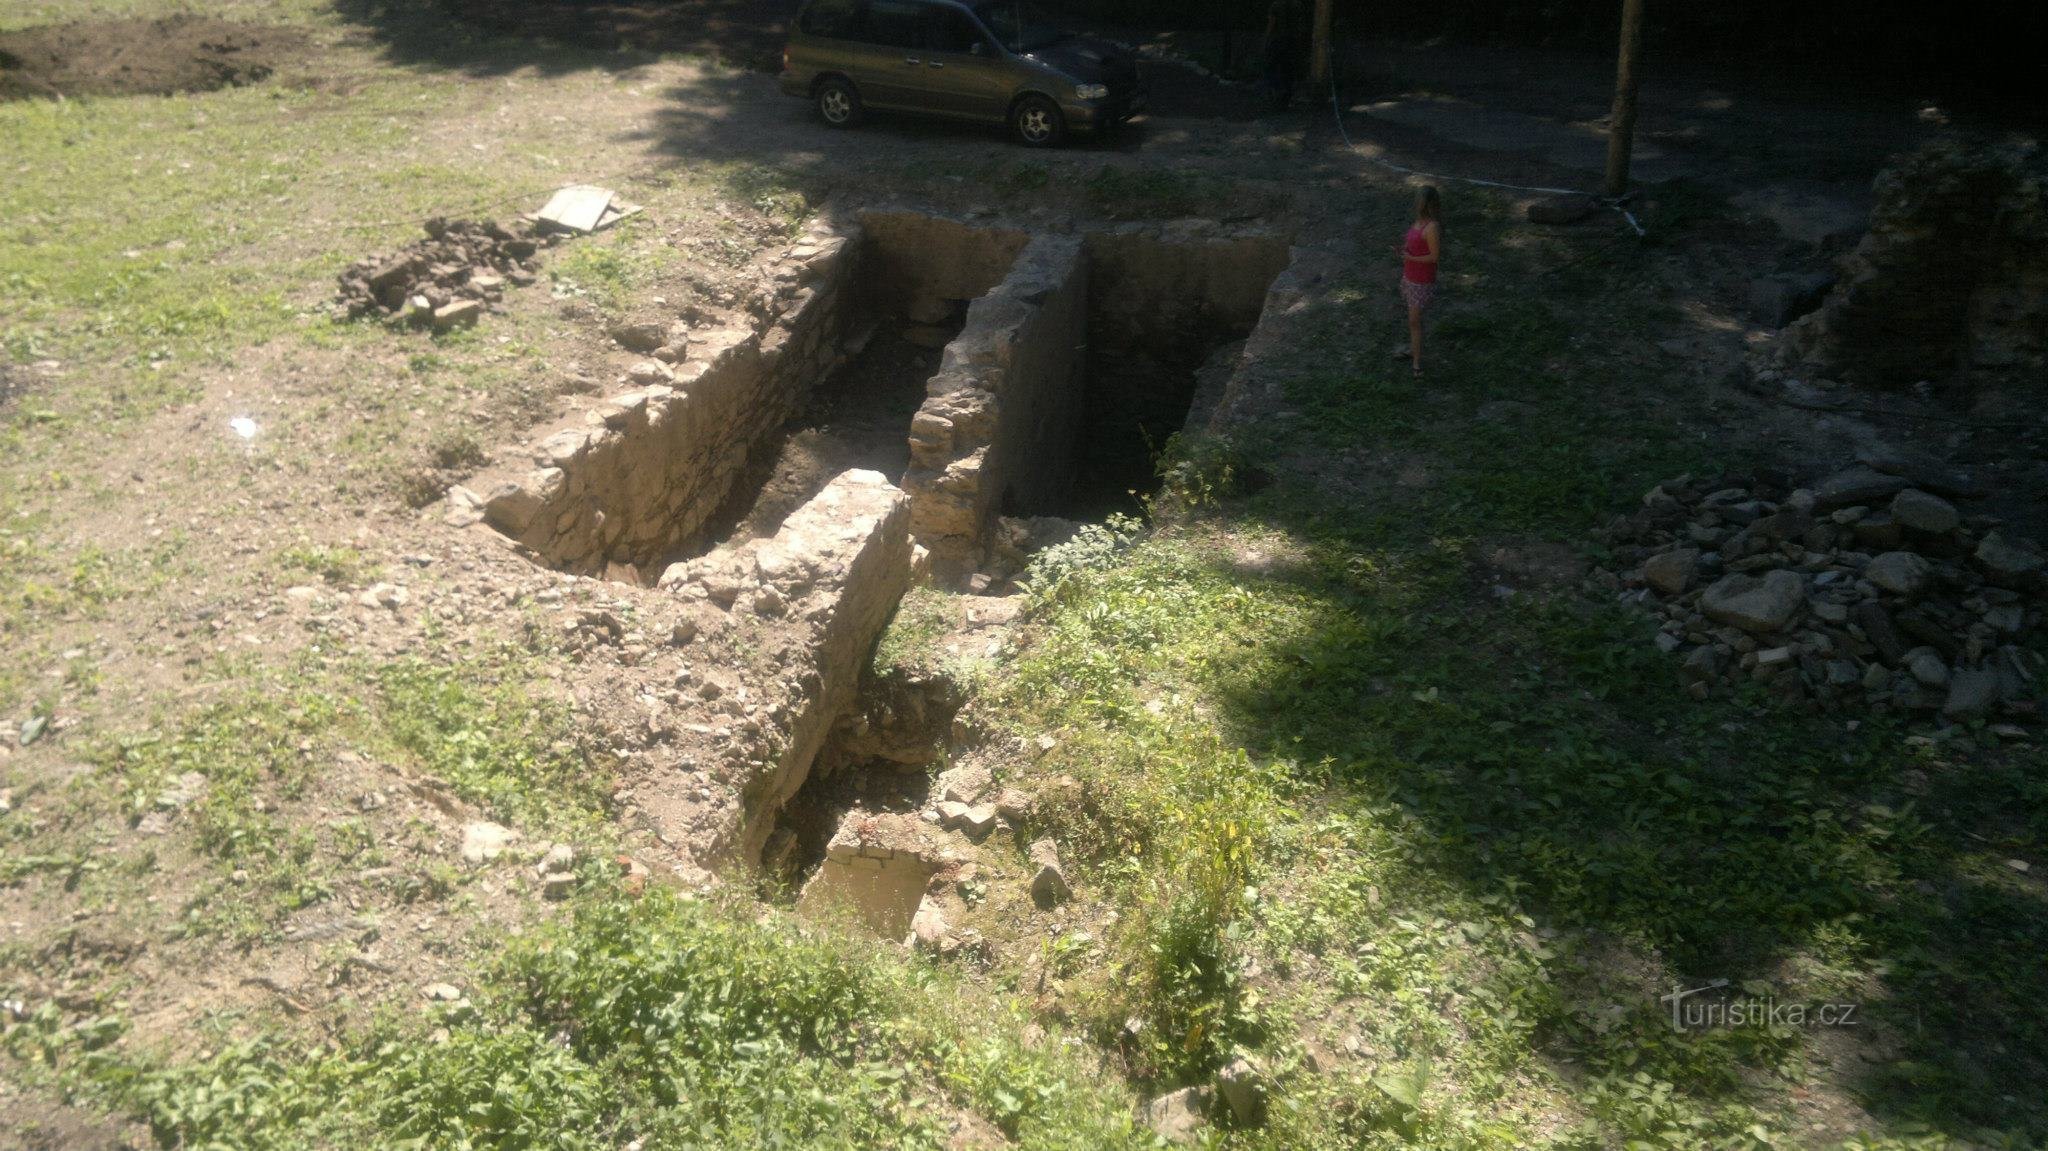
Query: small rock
{"type": "Point", "coordinates": [1014, 805]}
{"type": "Point", "coordinates": [1243, 1091]}
{"type": "Point", "coordinates": [1918, 511]}
{"type": "Point", "coordinates": [1900, 573]}
{"type": "Point", "coordinates": [561, 858]}
{"type": "Point", "coordinates": [1971, 693]}
{"type": "Point", "coordinates": [1049, 888]}
{"type": "Point", "coordinates": [1177, 1117]}
{"type": "Point", "coordinates": [385, 595]}
{"type": "Point", "coordinates": [1877, 627]}
{"type": "Point", "coordinates": [2008, 618]}
{"type": "Point", "coordinates": [442, 992]}
{"type": "Point", "coordinates": [558, 886]}
{"type": "Point", "coordinates": [1857, 485]}
{"type": "Point", "coordinates": [1671, 573]}
{"type": "Point", "coordinates": [928, 928]}
{"type": "Point", "coordinates": [641, 336]}
{"type": "Point", "coordinates": [1753, 604]}
{"type": "Point", "coordinates": [1927, 667]}
{"type": "Point", "coordinates": [2004, 563]}
{"type": "Point", "coordinates": [483, 841]}
{"type": "Point", "coordinates": [459, 314]}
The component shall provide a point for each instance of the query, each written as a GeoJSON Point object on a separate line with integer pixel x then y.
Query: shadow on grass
{"type": "Point", "coordinates": [492, 37]}
{"type": "Point", "coordinates": [1543, 745]}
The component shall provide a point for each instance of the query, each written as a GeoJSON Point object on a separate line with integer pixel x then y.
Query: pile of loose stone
{"type": "Point", "coordinates": [1864, 591]}
{"type": "Point", "coordinates": [445, 280]}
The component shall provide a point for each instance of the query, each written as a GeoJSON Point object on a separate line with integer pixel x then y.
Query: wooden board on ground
{"type": "Point", "coordinates": [578, 207]}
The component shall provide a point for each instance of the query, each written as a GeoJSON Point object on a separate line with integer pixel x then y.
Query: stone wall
{"type": "Point", "coordinates": [630, 481]}
{"type": "Point", "coordinates": [837, 568]}
{"type": "Point", "coordinates": [1951, 276]}
{"type": "Point", "coordinates": [1001, 419]}
{"type": "Point", "coordinates": [913, 256]}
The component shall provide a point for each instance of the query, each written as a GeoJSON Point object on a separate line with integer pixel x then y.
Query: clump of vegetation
{"type": "Point", "coordinates": [662, 1019]}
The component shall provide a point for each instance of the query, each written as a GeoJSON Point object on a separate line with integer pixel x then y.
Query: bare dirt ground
{"type": "Point", "coordinates": [226, 563]}
{"type": "Point", "coordinates": [140, 57]}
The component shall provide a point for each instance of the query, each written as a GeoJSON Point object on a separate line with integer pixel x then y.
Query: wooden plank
{"type": "Point", "coordinates": [577, 207]}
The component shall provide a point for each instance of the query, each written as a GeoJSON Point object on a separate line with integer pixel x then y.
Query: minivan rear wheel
{"type": "Point", "coordinates": [1037, 122]}
{"type": "Point", "coordinates": [838, 102]}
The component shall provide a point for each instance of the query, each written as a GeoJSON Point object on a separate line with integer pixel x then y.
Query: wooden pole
{"type": "Point", "coordinates": [1319, 50]}
{"type": "Point", "coordinates": [1621, 126]}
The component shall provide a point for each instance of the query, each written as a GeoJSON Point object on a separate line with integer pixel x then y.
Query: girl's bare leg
{"type": "Point", "coordinates": [1415, 337]}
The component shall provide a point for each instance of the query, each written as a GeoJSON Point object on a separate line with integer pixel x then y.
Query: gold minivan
{"type": "Point", "coordinates": [987, 61]}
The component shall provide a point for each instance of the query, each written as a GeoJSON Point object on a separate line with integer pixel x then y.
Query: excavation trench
{"type": "Point", "coordinates": [908, 381]}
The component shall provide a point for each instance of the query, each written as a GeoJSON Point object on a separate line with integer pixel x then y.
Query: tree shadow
{"type": "Point", "coordinates": [1544, 748]}
{"type": "Point", "coordinates": [493, 37]}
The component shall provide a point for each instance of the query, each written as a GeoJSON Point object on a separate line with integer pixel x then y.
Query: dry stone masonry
{"type": "Point", "coordinates": [1869, 589]}
{"type": "Point", "coordinates": [630, 482]}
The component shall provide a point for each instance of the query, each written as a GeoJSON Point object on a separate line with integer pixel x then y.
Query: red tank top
{"type": "Point", "coordinates": [1413, 271]}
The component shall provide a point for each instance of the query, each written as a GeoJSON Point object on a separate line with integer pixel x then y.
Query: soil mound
{"type": "Point", "coordinates": [139, 57]}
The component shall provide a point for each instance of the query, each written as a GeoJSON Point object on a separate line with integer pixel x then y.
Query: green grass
{"type": "Point", "coordinates": [673, 1021]}
{"type": "Point", "coordinates": [1353, 802]}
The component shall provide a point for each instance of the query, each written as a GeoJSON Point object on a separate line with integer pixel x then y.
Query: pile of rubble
{"type": "Point", "coordinates": [1866, 590]}
{"type": "Point", "coordinates": [445, 280]}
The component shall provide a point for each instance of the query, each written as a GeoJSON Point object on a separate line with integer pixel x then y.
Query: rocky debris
{"type": "Point", "coordinates": [1049, 887]}
{"type": "Point", "coordinates": [483, 841]}
{"type": "Point", "coordinates": [444, 280]}
{"type": "Point", "coordinates": [1857, 592]}
{"type": "Point", "coordinates": [1947, 273]}
{"type": "Point", "coordinates": [1177, 1116]}
{"type": "Point", "coordinates": [442, 993]}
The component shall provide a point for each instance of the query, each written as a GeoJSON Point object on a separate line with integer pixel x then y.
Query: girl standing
{"type": "Point", "coordinates": [1419, 252]}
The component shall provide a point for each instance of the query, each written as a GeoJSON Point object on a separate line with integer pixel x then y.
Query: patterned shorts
{"type": "Point", "coordinates": [1417, 295]}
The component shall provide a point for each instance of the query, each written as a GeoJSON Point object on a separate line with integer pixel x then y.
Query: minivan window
{"type": "Point", "coordinates": [1020, 27]}
{"type": "Point", "coordinates": [952, 30]}
{"type": "Point", "coordinates": [896, 23]}
{"type": "Point", "coordinates": [834, 18]}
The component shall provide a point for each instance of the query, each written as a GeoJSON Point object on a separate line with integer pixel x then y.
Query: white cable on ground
{"type": "Point", "coordinates": [1337, 112]}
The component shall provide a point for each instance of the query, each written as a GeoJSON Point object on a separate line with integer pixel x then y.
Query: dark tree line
{"type": "Point", "coordinates": [1969, 52]}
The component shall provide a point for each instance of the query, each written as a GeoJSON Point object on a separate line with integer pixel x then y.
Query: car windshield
{"type": "Point", "coordinates": [1020, 27]}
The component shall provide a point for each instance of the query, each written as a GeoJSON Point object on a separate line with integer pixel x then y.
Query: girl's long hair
{"type": "Point", "coordinates": [1429, 204]}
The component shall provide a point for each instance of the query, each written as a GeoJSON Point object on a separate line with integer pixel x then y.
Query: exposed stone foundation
{"type": "Point", "coordinates": [631, 481]}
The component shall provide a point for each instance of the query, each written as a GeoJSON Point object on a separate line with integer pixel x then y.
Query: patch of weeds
{"type": "Point", "coordinates": [665, 1020]}
{"type": "Point", "coordinates": [339, 566]}
{"type": "Point", "coordinates": [923, 617]}
{"type": "Point", "coordinates": [1093, 547]}
{"type": "Point", "coordinates": [493, 743]}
